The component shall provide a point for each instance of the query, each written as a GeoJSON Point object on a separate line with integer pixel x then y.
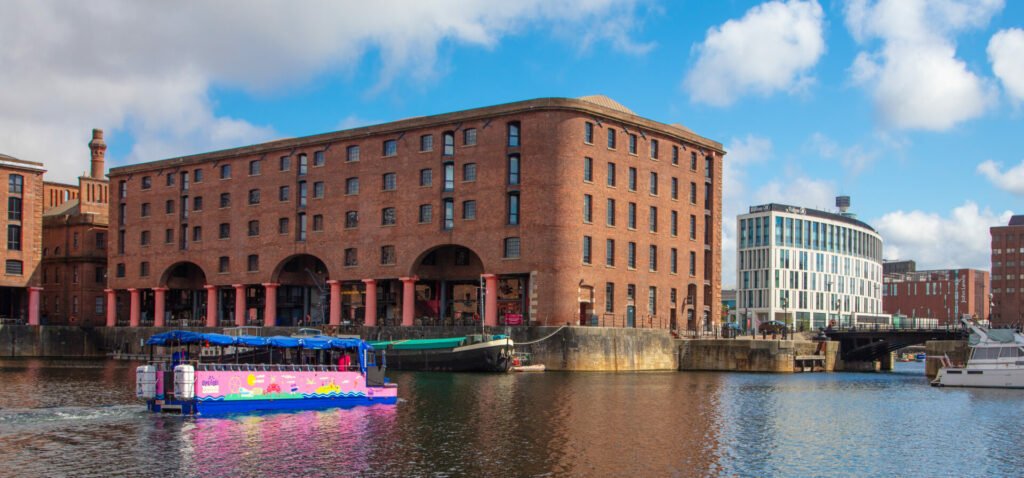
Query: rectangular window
{"type": "Point", "coordinates": [449, 143]}
{"type": "Point", "coordinates": [513, 208]}
{"type": "Point", "coordinates": [145, 210]}
{"type": "Point", "coordinates": [283, 225]}
{"type": "Point", "coordinates": [586, 249]}
{"type": "Point", "coordinates": [389, 181]}
{"type": "Point", "coordinates": [513, 169]}
{"type": "Point", "coordinates": [100, 274]}
{"type": "Point", "coordinates": [513, 134]}
{"type": "Point", "coordinates": [144, 238]}
{"type": "Point", "coordinates": [351, 259]}
{"type": "Point", "coordinates": [426, 177]}
{"type": "Point", "coordinates": [631, 255]}
{"type": "Point", "coordinates": [652, 219]}
{"type": "Point", "coordinates": [588, 132]}
{"type": "Point", "coordinates": [654, 149]}
{"type": "Point", "coordinates": [469, 172]}
{"type": "Point", "coordinates": [693, 193]}
{"type": "Point", "coordinates": [631, 215]}
{"type": "Point", "coordinates": [254, 196]}
{"type": "Point", "coordinates": [352, 154]}
{"type": "Point", "coordinates": [708, 172]}
{"type": "Point", "coordinates": [426, 143]}
{"type": "Point", "coordinates": [147, 182]}
{"type": "Point", "coordinates": [675, 188]}
{"type": "Point", "coordinates": [168, 236]}
{"type": "Point", "coordinates": [197, 176]}
{"type": "Point", "coordinates": [13, 237]}
{"type": "Point", "coordinates": [254, 167]}
{"type": "Point", "coordinates": [652, 300]}
{"type": "Point", "coordinates": [448, 204]}
{"type": "Point", "coordinates": [426, 213]}
{"type": "Point", "coordinates": [225, 171]}
{"type": "Point", "coordinates": [283, 193]}
{"type": "Point", "coordinates": [225, 230]}
{"type": "Point", "coordinates": [253, 263]}
{"type": "Point", "coordinates": [170, 179]}
{"type": "Point", "coordinates": [675, 155]}
{"type": "Point", "coordinates": [610, 212]}
{"type": "Point", "coordinates": [197, 233]}
{"type": "Point", "coordinates": [611, 174]}
{"type": "Point", "coordinates": [390, 147]}
{"type": "Point", "coordinates": [609, 252]}
{"type": "Point", "coordinates": [318, 190]}
{"type": "Point", "coordinates": [588, 208]}
{"type": "Point", "coordinates": [693, 160]}
{"type": "Point", "coordinates": [197, 203]}
{"type": "Point", "coordinates": [254, 228]}
{"type": "Point", "coordinates": [632, 179]}
{"type": "Point", "coordinates": [511, 247]}
{"type": "Point", "coordinates": [387, 216]}
{"type": "Point", "coordinates": [144, 269]}
{"type": "Point", "coordinates": [693, 263]}
{"type": "Point", "coordinates": [318, 158]}
{"type": "Point", "coordinates": [16, 185]}
{"type": "Point", "coordinates": [672, 260]}
{"type": "Point", "coordinates": [652, 257]}
{"type": "Point", "coordinates": [285, 163]}
{"type": "Point", "coordinates": [632, 143]}
{"type": "Point", "coordinates": [674, 223]}
{"type": "Point", "coordinates": [352, 186]}
{"type": "Point", "coordinates": [611, 138]}
{"type": "Point", "coordinates": [588, 169]}
{"type": "Point", "coordinates": [469, 210]}
{"type": "Point", "coordinates": [225, 199]}
{"type": "Point", "coordinates": [303, 164]}
{"type": "Point", "coordinates": [609, 297]}
{"type": "Point", "coordinates": [303, 227]}
{"type": "Point", "coordinates": [387, 255]}
{"type": "Point", "coordinates": [693, 227]}
{"type": "Point", "coordinates": [223, 264]}
{"type": "Point", "coordinates": [318, 222]}
{"type": "Point", "coordinates": [351, 219]}
{"type": "Point", "coordinates": [654, 184]}
{"type": "Point", "coordinates": [469, 137]}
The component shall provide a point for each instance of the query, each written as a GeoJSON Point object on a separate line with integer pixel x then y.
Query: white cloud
{"type": "Point", "coordinates": [916, 80]}
{"type": "Point", "coordinates": [1006, 52]}
{"type": "Point", "coordinates": [855, 159]}
{"type": "Point", "coordinates": [1011, 180]}
{"type": "Point", "coordinates": [742, 152]}
{"type": "Point", "coordinates": [798, 190]}
{"type": "Point", "coordinates": [771, 49]}
{"type": "Point", "coordinates": [961, 239]}
{"type": "Point", "coordinates": [145, 70]}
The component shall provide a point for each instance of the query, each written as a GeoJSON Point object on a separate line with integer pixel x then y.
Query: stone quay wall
{"type": "Point", "coordinates": [752, 355]}
{"type": "Point", "coordinates": [956, 350]}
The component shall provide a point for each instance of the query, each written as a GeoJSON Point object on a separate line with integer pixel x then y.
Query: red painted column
{"type": "Point", "coordinates": [335, 302]}
{"type": "Point", "coordinates": [270, 305]}
{"type": "Point", "coordinates": [33, 305]}
{"type": "Point", "coordinates": [135, 310]}
{"type": "Point", "coordinates": [490, 299]}
{"type": "Point", "coordinates": [239, 304]}
{"type": "Point", "coordinates": [159, 306]}
{"type": "Point", "coordinates": [111, 307]}
{"type": "Point", "coordinates": [408, 299]}
{"type": "Point", "coordinates": [370, 319]}
{"type": "Point", "coordinates": [211, 305]}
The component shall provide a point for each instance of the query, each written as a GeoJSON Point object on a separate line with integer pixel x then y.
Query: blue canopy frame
{"type": "Point", "coordinates": [319, 342]}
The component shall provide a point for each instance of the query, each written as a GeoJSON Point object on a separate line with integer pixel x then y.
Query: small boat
{"type": "Point", "coordinates": [472, 353]}
{"type": "Point", "coordinates": [537, 367]}
{"type": "Point", "coordinates": [920, 357]}
{"type": "Point", "coordinates": [995, 361]}
{"type": "Point", "coordinates": [277, 373]}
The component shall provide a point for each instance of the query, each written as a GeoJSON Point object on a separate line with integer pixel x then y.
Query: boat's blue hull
{"type": "Point", "coordinates": [221, 407]}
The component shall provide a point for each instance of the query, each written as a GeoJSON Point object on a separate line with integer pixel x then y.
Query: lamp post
{"type": "Point", "coordinates": [785, 310]}
{"type": "Point", "coordinates": [835, 307]}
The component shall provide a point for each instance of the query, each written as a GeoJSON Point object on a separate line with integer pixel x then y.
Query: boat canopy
{"type": "Point", "coordinates": [322, 342]}
{"type": "Point", "coordinates": [1002, 336]}
{"type": "Point", "coordinates": [428, 344]}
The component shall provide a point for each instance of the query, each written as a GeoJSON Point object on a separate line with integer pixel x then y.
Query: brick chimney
{"type": "Point", "coordinates": [99, 151]}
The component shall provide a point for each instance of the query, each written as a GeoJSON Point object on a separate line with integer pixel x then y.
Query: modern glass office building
{"type": "Point", "coordinates": [806, 268]}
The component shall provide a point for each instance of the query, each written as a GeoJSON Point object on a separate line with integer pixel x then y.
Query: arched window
{"type": "Point", "coordinates": [513, 169]}
{"type": "Point", "coordinates": [449, 143]}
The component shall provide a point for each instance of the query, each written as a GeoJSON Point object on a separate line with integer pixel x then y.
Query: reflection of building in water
{"type": "Point", "coordinates": [547, 211]}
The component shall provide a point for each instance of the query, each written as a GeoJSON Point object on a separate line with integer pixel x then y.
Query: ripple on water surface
{"type": "Point", "coordinates": [81, 419]}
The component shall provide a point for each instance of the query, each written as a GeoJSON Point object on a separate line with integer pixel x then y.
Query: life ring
{"type": "Point", "coordinates": [832, 323]}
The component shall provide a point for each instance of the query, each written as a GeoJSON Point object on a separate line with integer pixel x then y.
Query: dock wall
{"type": "Point", "coordinates": [752, 355]}
{"type": "Point", "coordinates": [956, 350]}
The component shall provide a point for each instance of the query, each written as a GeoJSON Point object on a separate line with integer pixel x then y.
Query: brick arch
{"type": "Point", "coordinates": [444, 257]}
{"type": "Point", "coordinates": [183, 275]}
{"type": "Point", "coordinates": [292, 270]}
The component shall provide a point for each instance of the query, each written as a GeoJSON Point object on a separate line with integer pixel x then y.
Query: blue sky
{"type": "Point", "coordinates": [913, 108]}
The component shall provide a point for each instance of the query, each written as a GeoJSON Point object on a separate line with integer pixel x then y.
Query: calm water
{"type": "Point", "coordinates": [81, 418]}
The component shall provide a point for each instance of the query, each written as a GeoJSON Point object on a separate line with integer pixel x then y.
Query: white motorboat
{"type": "Point", "coordinates": [996, 361]}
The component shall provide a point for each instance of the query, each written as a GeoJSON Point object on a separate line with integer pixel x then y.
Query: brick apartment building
{"type": "Point", "coordinates": [74, 264]}
{"type": "Point", "coordinates": [547, 211]}
{"type": "Point", "coordinates": [1008, 272]}
{"type": "Point", "coordinates": [22, 200]}
{"type": "Point", "coordinates": [940, 294]}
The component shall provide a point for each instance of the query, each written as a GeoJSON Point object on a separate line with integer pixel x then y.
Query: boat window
{"type": "Point", "coordinates": [1010, 352]}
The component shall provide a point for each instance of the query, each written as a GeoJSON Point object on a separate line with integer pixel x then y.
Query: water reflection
{"type": "Point", "coordinates": [80, 418]}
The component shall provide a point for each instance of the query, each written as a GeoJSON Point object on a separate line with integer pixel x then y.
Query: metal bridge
{"type": "Point", "coordinates": [868, 343]}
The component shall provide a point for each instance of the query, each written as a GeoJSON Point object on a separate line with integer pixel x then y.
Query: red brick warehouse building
{"type": "Point", "coordinates": [550, 211]}
{"type": "Point", "coordinates": [1008, 272]}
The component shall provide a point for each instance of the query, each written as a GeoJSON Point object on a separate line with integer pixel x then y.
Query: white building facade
{"type": "Point", "coordinates": [807, 269]}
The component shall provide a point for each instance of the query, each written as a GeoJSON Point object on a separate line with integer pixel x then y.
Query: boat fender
{"type": "Point", "coordinates": [184, 381]}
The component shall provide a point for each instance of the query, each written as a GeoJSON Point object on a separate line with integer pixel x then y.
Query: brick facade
{"type": "Point", "coordinates": [148, 252]}
{"type": "Point", "coordinates": [21, 200]}
{"type": "Point", "coordinates": [934, 294]}
{"type": "Point", "coordinates": [1008, 273]}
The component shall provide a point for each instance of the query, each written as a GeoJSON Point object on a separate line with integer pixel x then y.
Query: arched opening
{"type": "Point", "coordinates": [448, 289]}
{"type": "Point", "coordinates": [185, 304]}
{"type": "Point", "coordinates": [303, 296]}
